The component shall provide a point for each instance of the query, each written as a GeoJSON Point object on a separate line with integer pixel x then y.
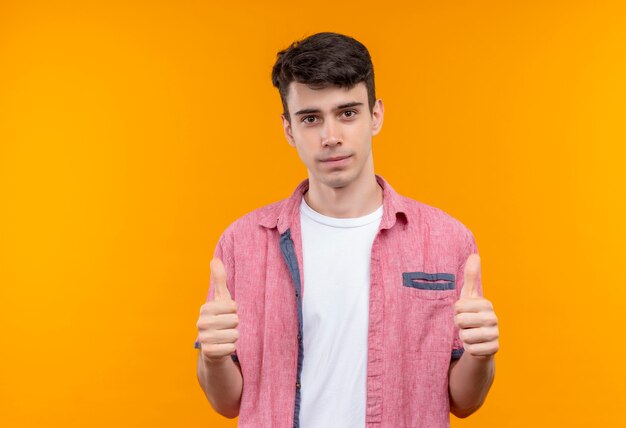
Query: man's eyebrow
{"type": "Point", "coordinates": [339, 107]}
{"type": "Point", "coordinates": [307, 111]}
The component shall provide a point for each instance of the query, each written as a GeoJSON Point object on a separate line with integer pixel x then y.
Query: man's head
{"type": "Point", "coordinates": [322, 60]}
{"type": "Point", "coordinates": [326, 83]}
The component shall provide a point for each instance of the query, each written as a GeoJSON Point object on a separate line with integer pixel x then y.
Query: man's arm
{"type": "Point", "coordinates": [219, 376]}
{"type": "Point", "coordinates": [470, 378]}
{"type": "Point", "coordinates": [469, 382]}
{"type": "Point", "coordinates": [222, 384]}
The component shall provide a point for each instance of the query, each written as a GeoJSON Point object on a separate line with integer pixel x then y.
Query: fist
{"type": "Point", "coordinates": [474, 315]}
{"type": "Point", "coordinates": [217, 332]}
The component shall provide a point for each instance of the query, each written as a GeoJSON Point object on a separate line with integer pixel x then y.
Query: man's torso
{"type": "Point", "coordinates": [415, 278]}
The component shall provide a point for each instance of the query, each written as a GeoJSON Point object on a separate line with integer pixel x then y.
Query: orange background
{"type": "Point", "coordinates": [133, 133]}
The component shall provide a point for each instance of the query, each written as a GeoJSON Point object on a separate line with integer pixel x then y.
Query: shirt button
{"type": "Point", "coordinates": [298, 385]}
{"type": "Point", "coordinates": [299, 337]}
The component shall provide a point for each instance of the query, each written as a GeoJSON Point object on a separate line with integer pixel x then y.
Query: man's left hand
{"type": "Point", "coordinates": [474, 315]}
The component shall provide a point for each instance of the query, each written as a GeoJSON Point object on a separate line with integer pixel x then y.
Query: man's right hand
{"type": "Point", "coordinates": [218, 320]}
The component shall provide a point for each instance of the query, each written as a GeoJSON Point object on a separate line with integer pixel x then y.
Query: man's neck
{"type": "Point", "coordinates": [360, 198]}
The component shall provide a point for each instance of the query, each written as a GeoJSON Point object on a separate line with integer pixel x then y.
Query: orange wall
{"type": "Point", "coordinates": [132, 133]}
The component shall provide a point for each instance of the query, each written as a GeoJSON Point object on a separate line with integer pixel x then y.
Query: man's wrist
{"type": "Point", "coordinates": [481, 359]}
{"type": "Point", "coordinates": [217, 363]}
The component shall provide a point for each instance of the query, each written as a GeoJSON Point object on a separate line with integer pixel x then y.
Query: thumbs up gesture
{"type": "Point", "coordinates": [474, 315]}
{"type": "Point", "coordinates": [218, 320]}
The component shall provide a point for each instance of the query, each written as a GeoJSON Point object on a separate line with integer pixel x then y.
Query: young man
{"type": "Point", "coordinates": [347, 304]}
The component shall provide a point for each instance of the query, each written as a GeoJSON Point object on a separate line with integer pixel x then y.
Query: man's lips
{"type": "Point", "coordinates": [334, 158]}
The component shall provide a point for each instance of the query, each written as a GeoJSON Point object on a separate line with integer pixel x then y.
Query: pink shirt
{"type": "Point", "coordinates": [417, 264]}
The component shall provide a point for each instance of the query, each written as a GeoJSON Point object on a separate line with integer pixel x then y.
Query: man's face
{"type": "Point", "coordinates": [332, 131]}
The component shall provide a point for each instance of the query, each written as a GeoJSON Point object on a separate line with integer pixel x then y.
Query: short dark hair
{"type": "Point", "coordinates": [322, 60]}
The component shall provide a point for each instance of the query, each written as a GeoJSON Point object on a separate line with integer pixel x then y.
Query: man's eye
{"type": "Point", "coordinates": [349, 113]}
{"type": "Point", "coordinates": [308, 119]}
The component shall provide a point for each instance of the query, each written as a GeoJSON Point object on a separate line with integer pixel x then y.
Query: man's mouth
{"type": "Point", "coordinates": [335, 158]}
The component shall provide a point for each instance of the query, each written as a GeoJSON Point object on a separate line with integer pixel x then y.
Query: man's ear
{"type": "Point", "coordinates": [287, 130]}
{"type": "Point", "coordinates": [378, 112]}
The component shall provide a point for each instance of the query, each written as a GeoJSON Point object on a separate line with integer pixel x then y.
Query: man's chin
{"type": "Point", "coordinates": [337, 181]}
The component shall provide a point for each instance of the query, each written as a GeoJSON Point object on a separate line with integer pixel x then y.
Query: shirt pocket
{"type": "Point", "coordinates": [430, 286]}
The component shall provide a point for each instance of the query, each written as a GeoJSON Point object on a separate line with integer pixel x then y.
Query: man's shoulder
{"type": "Point", "coordinates": [436, 219]}
{"type": "Point", "coordinates": [254, 220]}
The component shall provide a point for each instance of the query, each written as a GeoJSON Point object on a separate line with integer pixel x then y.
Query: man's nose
{"type": "Point", "coordinates": [330, 134]}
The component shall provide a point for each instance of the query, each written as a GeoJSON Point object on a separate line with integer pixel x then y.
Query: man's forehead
{"type": "Point", "coordinates": [302, 95]}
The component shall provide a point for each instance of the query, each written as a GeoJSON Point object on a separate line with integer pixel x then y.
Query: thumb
{"type": "Point", "coordinates": [218, 279]}
{"type": "Point", "coordinates": [471, 274]}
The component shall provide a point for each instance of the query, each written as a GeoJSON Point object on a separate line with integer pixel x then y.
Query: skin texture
{"type": "Point", "coordinates": [219, 376]}
{"type": "Point", "coordinates": [471, 376]}
{"type": "Point", "coordinates": [346, 188]}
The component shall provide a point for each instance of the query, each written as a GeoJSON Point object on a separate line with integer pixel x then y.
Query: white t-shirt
{"type": "Point", "coordinates": [336, 257]}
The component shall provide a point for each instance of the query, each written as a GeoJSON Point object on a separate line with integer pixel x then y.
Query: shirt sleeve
{"type": "Point", "coordinates": [224, 253]}
{"type": "Point", "coordinates": [469, 248]}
